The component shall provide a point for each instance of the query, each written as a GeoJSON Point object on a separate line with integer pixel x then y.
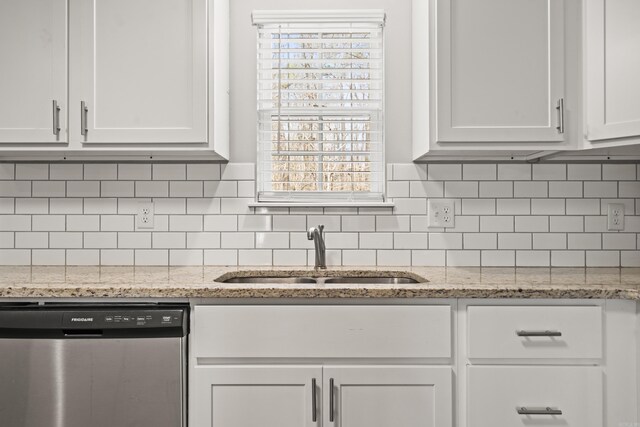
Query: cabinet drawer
{"type": "Point", "coordinates": [496, 394]}
{"type": "Point", "coordinates": [509, 332]}
{"type": "Point", "coordinates": [322, 332]}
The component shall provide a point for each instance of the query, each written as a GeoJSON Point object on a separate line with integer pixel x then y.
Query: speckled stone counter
{"type": "Point", "coordinates": [200, 282]}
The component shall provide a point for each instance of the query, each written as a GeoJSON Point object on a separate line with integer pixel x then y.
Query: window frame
{"type": "Point", "coordinates": [325, 198]}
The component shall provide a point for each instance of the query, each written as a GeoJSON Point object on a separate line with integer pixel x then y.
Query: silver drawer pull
{"type": "Point", "coordinates": [539, 333]}
{"type": "Point", "coordinates": [83, 118]}
{"type": "Point", "coordinates": [538, 411]}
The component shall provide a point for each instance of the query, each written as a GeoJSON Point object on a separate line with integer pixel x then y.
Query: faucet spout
{"type": "Point", "coordinates": [317, 235]}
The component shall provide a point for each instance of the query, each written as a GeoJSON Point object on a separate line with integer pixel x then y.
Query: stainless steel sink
{"type": "Point", "coordinates": [371, 280]}
{"type": "Point", "coordinates": [278, 280]}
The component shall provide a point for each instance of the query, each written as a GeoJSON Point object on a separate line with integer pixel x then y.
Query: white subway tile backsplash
{"type": "Point", "coordinates": [409, 172]}
{"type": "Point", "coordinates": [31, 240]}
{"type": "Point", "coordinates": [429, 258]}
{"type": "Point", "coordinates": [359, 223]}
{"type": "Point", "coordinates": [272, 240]}
{"type": "Point", "coordinates": [412, 241]}
{"type": "Point", "coordinates": [444, 172]}
{"type": "Point", "coordinates": [169, 172]}
{"type": "Point", "coordinates": [566, 189]}
{"type": "Point", "coordinates": [425, 189]}
{"type": "Point", "coordinates": [533, 258]}
{"type": "Point", "coordinates": [531, 189]}
{"type": "Point", "coordinates": [15, 222]}
{"type": "Point", "coordinates": [49, 189]}
{"type": "Point", "coordinates": [134, 172]}
{"type": "Point", "coordinates": [549, 172]}
{"type": "Point", "coordinates": [255, 257]}
{"type": "Point", "coordinates": [238, 172]}
{"type": "Point", "coordinates": [185, 189]}
{"type": "Point", "coordinates": [498, 258]}
{"type": "Point", "coordinates": [377, 240]}
{"type": "Point", "coordinates": [479, 172]}
{"type": "Point", "coordinates": [203, 172]}
{"type": "Point", "coordinates": [603, 258]}
{"type": "Point", "coordinates": [64, 171]}
{"type": "Point", "coordinates": [223, 257]}
{"type": "Point", "coordinates": [48, 257]}
{"type": "Point", "coordinates": [514, 172]}
{"type": "Point", "coordinates": [83, 189]}
{"type": "Point", "coordinates": [75, 214]}
{"type": "Point", "coordinates": [116, 189]}
{"type": "Point", "coordinates": [584, 172]}
{"type": "Point", "coordinates": [32, 206]}
{"type": "Point", "coordinates": [15, 257]}
{"type": "Point", "coordinates": [619, 172]}
{"type": "Point", "coordinates": [32, 171]}
{"type": "Point", "coordinates": [152, 189]}
{"type": "Point", "coordinates": [100, 172]}
{"type": "Point", "coordinates": [496, 189]}
{"type": "Point", "coordinates": [7, 171]}
{"type": "Point", "coordinates": [101, 206]}
{"type": "Point", "coordinates": [290, 257]}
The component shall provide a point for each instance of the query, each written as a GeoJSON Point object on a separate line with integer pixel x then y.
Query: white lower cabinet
{"type": "Point", "coordinates": [383, 396]}
{"type": "Point", "coordinates": [246, 396]}
{"type": "Point", "coordinates": [312, 395]}
{"type": "Point", "coordinates": [567, 396]}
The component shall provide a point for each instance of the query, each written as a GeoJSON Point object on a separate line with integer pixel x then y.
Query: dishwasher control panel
{"type": "Point", "coordinates": [122, 319]}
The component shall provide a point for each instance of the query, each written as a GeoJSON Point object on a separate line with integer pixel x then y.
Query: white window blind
{"type": "Point", "coordinates": [320, 106]}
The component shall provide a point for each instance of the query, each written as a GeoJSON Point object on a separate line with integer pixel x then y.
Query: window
{"type": "Point", "coordinates": [320, 106]}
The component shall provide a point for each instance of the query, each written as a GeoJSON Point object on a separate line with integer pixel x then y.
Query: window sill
{"type": "Point", "coordinates": [321, 204]}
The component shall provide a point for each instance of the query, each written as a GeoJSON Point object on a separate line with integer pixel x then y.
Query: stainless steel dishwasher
{"type": "Point", "coordinates": [92, 365]}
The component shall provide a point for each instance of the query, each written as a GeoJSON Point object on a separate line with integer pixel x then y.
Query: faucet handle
{"type": "Point", "coordinates": [321, 229]}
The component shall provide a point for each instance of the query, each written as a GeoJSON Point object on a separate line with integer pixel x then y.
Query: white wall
{"type": "Point", "coordinates": [398, 72]}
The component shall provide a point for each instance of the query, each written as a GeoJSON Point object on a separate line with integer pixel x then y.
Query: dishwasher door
{"type": "Point", "coordinates": [92, 381]}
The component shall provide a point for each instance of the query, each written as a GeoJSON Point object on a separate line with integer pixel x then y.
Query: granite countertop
{"type": "Point", "coordinates": [200, 282]}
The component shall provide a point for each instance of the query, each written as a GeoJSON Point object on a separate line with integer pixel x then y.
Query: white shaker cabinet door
{"type": "Point", "coordinates": [499, 70]}
{"type": "Point", "coordinates": [255, 396]}
{"type": "Point", "coordinates": [138, 71]}
{"type": "Point", "coordinates": [33, 71]}
{"type": "Point", "coordinates": [384, 396]}
{"type": "Point", "coordinates": [612, 67]}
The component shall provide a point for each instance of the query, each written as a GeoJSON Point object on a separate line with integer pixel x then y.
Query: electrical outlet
{"type": "Point", "coordinates": [442, 213]}
{"type": "Point", "coordinates": [144, 218]}
{"type": "Point", "coordinates": [615, 216]}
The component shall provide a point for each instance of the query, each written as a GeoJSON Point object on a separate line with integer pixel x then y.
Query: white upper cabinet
{"type": "Point", "coordinates": [488, 75]}
{"type": "Point", "coordinates": [139, 67]}
{"type": "Point", "coordinates": [33, 66]}
{"type": "Point", "coordinates": [499, 70]}
{"type": "Point", "coordinates": [146, 79]}
{"type": "Point", "coordinates": [612, 70]}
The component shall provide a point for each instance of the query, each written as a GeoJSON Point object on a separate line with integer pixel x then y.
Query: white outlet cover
{"type": "Point", "coordinates": [442, 213]}
{"type": "Point", "coordinates": [144, 217]}
{"type": "Point", "coordinates": [615, 216]}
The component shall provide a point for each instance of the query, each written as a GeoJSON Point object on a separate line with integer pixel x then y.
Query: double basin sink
{"type": "Point", "coordinates": [326, 277]}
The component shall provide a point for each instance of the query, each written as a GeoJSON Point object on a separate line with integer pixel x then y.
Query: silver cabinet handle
{"type": "Point", "coordinates": [538, 411]}
{"type": "Point", "coordinates": [83, 118]}
{"type": "Point", "coordinates": [314, 408]}
{"type": "Point", "coordinates": [539, 333]}
{"type": "Point", "coordinates": [56, 118]}
{"type": "Point", "coordinates": [331, 408]}
{"type": "Point", "coordinates": [560, 108]}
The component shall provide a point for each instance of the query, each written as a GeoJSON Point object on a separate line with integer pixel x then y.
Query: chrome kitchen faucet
{"type": "Point", "coordinates": [317, 235]}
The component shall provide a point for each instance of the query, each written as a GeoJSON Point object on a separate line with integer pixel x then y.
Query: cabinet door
{"type": "Point", "coordinates": [497, 394]}
{"type": "Point", "coordinates": [140, 67]}
{"type": "Point", "coordinates": [255, 396]}
{"type": "Point", "coordinates": [500, 70]}
{"type": "Point", "coordinates": [383, 396]}
{"type": "Point", "coordinates": [612, 69]}
{"type": "Point", "coordinates": [33, 48]}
